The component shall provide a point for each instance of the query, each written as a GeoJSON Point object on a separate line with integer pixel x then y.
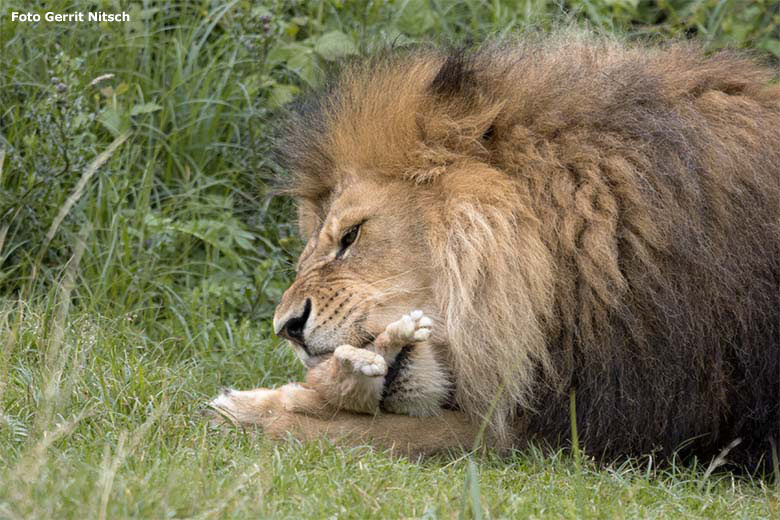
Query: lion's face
{"type": "Point", "coordinates": [365, 264]}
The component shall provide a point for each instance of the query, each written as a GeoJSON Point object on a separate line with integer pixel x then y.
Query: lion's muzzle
{"type": "Point", "coordinates": [291, 324]}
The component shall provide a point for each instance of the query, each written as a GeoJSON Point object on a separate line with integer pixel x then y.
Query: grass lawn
{"type": "Point", "coordinates": [99, 422]}
{"type": "Point", "coordinates": [141, 257]}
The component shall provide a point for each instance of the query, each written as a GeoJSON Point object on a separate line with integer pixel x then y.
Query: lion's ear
{"type": "Point", "coordinates": [465, 110]}
{"type": "Point", "coordinates": [456, 77]}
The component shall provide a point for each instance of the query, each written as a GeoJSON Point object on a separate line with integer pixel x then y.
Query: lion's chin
{"type": "Point", "coordinates": [313, 361]}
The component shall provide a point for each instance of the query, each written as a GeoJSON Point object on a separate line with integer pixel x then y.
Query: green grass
{"type": "Point", "coordinates": [99, 423]}
{"type": "Point", "coordinates": [134, 284]}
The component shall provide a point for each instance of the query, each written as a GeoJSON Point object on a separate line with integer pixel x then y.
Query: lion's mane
{"type": "Point", "coordinates": [604, 217]}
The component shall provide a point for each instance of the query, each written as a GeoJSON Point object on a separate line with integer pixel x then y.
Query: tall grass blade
{"type": "Point", "coordinates": [575, 439]}
{"type": "Point", "coordinates": [89, 171]}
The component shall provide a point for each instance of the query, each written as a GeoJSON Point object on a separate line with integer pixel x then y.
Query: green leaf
{"type": "Point", "coordinates": [304, 65]}
{"type": "Point", "coordinates": [145, 108]}
{"type": "Point", "coordinates": [113, 121]}
{"type": "Point", "coordinates": [261, 10]}
{"type": "Point", "coordinates": [416, 17]}
{"type": "Point", "coordinates": [281, 94]}
{"type": "Point", "coordinates": [335, 45]}
{"type": "Point", "coordinates": [772, 46]}
{"type": "Point", "coordinates": [281, 54]}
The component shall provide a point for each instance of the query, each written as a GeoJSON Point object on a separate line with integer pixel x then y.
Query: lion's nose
{"type": "Point", "coordinates": [292, 329]}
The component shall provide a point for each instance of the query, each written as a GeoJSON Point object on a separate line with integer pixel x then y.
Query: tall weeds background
{"type": "Point", "coordinates": [141, 256]}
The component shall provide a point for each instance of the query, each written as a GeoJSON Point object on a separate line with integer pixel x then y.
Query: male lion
{"type": "Point", "coordinates": [573, 213]}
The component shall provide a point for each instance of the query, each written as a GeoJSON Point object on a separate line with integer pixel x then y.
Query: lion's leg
{"type": "Point", "coordinates": [352, 379]}
{"type": "Point", "coordinates": [411, 328]}
{"type": "Point", "coordinates": [273, 410]}
{"type": "Point", "coordinates": [253, 407]}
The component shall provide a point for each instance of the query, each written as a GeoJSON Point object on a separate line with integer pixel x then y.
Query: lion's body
{"type": "Point", "coordinates": [574, 213]}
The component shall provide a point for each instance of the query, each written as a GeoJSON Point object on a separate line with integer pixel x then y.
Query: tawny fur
{"type": "Point", "coordinates": [574, 212]}
{"type": "Point", "coordinates": [296, 410]}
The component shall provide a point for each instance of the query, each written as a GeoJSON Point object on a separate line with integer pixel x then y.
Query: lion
{"type": "Point", "coordinates": [576, 215]}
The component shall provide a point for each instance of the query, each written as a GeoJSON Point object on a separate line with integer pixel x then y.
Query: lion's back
{"type": "Point", "coordinates": [661, 198]}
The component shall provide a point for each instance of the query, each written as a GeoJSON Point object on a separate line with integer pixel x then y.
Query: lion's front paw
{"type": "Point", "coordinates": [359, 360]}
{"type": "Point", "coordinates": [278, 412]}
{"type": "Point", "coordinates": [249, 407]}
{"type": "Point", "coordinates": [411, 328]}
